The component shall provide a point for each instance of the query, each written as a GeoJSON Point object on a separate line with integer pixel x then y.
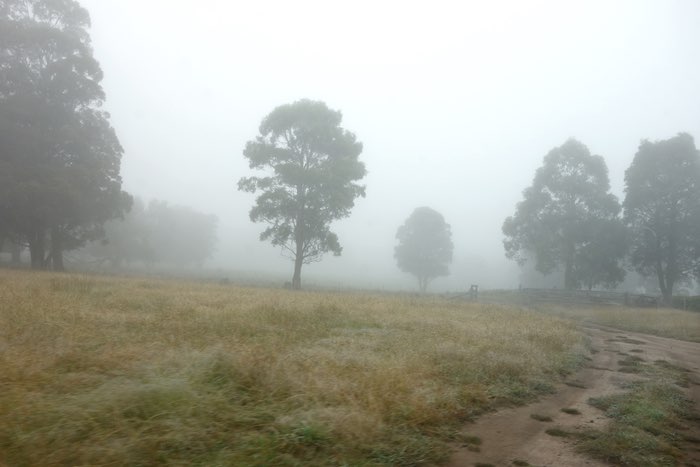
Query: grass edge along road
{"type": "Point", "coordinates": [133, 371]}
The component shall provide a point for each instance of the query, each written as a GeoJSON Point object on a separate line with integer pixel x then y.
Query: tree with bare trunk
{"type": "Point", "coordinates": [313, 167]}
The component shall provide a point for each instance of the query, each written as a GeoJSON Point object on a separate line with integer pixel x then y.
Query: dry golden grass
{"type": "Point", "coordinates": [143, 372]}
{"type": "Point", "coordinates": [665, 322]}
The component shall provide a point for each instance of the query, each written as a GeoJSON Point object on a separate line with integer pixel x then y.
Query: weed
{"type": "Point", "coordinates": [557, 432]}
{"type": "Point", "coordinates": [571, 411]}
{"type": "Point", "coordinates": [471, 439]}
{"type": "Point", "coordinates": [666, 365]}
{"type": "Point", "coordinates": [541, 418]}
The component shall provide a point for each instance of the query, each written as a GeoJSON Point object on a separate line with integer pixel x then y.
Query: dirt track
{"type": "Point", "coordinates": [512, 434]}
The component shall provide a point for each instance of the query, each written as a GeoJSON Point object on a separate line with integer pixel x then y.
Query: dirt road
{"type": "Point", "coordinates": [514, 435]}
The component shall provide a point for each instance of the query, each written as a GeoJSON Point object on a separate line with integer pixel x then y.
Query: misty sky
{"type": "Point", "coordinates": [456, 104]}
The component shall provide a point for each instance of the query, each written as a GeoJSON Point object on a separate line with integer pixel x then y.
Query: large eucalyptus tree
{"type": "Point", "coordinates": [59, 156]}
{"type": "Point", "coordinates": [312, 172]}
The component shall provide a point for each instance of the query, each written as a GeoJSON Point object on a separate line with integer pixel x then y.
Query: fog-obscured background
{"type": "Point", "coordinates": [456, 104]}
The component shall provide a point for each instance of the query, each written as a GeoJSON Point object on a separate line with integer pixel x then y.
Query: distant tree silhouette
{"type": "Point", "coordinates": [425, 246]}
{"type": "Point", "coordinates": [59, 156]}
{"type": "Point", "coordinates": [662, 209]}
{"type": "Point", "coordinates": [568, 218]}
{"type": "Point", "coordinates": [158, 233]}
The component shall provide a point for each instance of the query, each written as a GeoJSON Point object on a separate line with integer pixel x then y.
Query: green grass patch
{"type": "Point", "coordinates": [644, 428]}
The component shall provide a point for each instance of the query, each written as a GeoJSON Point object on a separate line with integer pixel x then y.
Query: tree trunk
{"type": "Point", "coordinates": [299, 241]}
{"type": "Point", "coordinates": [569, 282]}
{"type": "Point", "coordinates": [672, 263]}
{"type": "Point", "coordinates": [422, 284]}
{"type": "Point", "coordinates": [37, 249]}
{"type": "Point", "coordinates": [298, 261]}
{"type": "Point", "coordinates": [296, 279]}
{"type": "Point", "coordinates": [16, 253]}
{"type": "Point", "coordinates": [57, 249]}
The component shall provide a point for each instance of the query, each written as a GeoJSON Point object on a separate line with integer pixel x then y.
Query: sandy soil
{"type": "Point", "coordinates": [512, 434]}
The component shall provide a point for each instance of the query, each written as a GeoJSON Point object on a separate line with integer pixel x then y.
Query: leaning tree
{"type": "Point", "coordinates": [425, 246]}
{"type": "Point", "coordinates": [662, 209]}
{"type": "Point", "coordinates": [312, 172]}
{"type": "Point", "coordinates": [569, 219]}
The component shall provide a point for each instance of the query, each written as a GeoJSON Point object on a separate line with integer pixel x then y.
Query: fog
{"type": "Point", "coordinates": [456, 104]}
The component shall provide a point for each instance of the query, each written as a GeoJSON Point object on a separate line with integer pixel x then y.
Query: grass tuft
{"type": "Point", "coordinates": [557, 432]}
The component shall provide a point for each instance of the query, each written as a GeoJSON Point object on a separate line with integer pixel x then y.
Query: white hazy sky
{"type": "Point", "coordinates": [456, 103]}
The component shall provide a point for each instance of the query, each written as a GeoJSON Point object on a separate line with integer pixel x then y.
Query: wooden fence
{"type": "Point", "coordinates": [588, 297]}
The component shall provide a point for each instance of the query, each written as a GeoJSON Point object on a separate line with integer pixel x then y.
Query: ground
{"type": "Point", "coordinates": [513, 434]}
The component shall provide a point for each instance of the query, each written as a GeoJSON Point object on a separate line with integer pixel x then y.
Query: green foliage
{"type": "Point", "coordinates": [60, 158]}
{"type": "Point", "coordinates": [313, 167]}
{"type": "Point", "coordinates": [425, 246]}
{"type": "Point", "coordinates": [662, 209]}
{"type": "Point", "coordinates": [568, 218]}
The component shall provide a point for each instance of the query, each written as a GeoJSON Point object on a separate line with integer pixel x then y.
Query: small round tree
{"type": "Point", "coordinates": [425, 246]}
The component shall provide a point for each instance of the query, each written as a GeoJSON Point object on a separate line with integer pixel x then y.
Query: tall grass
{"type": "Point", "coordinates": [665, 322]}
{"type": "Point", "coordinates": [146, 372]}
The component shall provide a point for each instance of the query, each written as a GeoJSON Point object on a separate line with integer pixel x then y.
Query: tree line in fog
{"type": "Point", "coordinates": [61, 188]}
{"type": "Point", "coordinates": [568, 219]}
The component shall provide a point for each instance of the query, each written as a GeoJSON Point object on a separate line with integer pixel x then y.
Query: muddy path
{"type": "Point", "coordinates": [513, 434]}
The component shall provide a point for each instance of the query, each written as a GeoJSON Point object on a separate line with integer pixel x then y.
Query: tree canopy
{"type": "Point", "coordinates": [312, 172]}
{"type": "Point", "coordinates": [568, 218]}
{"type": "Point", "coordinates": [425, 246]}
{"type": "Point", "coordinates": [662, 209]}
{"type": "Point", "coordinates": [59, 156]}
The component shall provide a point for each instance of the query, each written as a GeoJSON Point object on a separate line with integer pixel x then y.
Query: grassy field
{"type": "Point", "coordinates": [665, 322]}
{"type": "Point", "coordinates": [144, 372]}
